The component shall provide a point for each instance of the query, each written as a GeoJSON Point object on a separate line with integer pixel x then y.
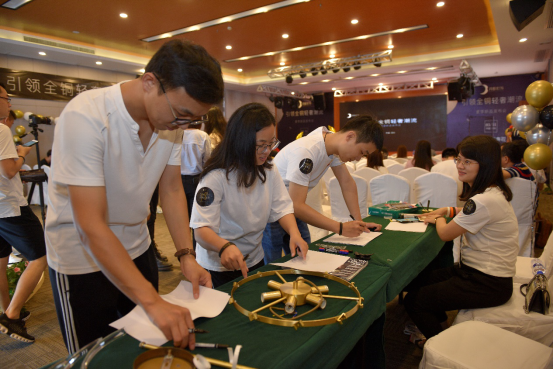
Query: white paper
{"type": "Point", "coordinates": [419, 227]}
{"type": "Point", "coordinates": [361, 240]}
{"type": "Point", "coordinates": [137, 323]}
{"type": "Point", "coordinates": [315, 262]}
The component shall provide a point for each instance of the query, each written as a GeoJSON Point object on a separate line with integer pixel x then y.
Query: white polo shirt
{"type": "Point", "coordinates": [196, 149]}
{"type": "Point", "coordinates": [96, 143]}
{"type": "Point", "coordinates": [305, 161]}
{"type": "Point", "coordinates": [11, 190]}
{"type": "Point", "coordinates": [238, 214]}
{"type": "Point", "coordinates": [491, 241]}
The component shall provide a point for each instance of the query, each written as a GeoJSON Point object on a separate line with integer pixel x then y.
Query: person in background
{"type": "Point", "coordinates": [239, 193]}
{"type": "Point", "coordinates": [447, 165]}
{"type": "Point", "coordinates": [19, 227]}
{"type": "Point", "coordinates": [374, 161]}
{"type": "Point", "coordinates": [215, 126]}
{"type": "Point", "coordinates": [422, 158]}
{"type": "Point", "coordinates": [512, 154]}
{"type": "Point", "coordinates": [489, 242]}
{"type": "Point", "coordinates": [401, 151]}
{"type": "Point", "coordinates": [196, 149]}
{"type": "Point", "coordinates": [303, 162]}
{"type": "Point", "coordinates": [384, 152]}
{"type": "Point", "coordinates": [47, 159]}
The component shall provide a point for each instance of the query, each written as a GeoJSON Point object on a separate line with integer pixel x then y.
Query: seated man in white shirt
{"type": "Point", "coordinates": [447, 166]}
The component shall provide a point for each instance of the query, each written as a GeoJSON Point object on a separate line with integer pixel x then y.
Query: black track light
{"type": "Point", "coordinates": [289, 79]}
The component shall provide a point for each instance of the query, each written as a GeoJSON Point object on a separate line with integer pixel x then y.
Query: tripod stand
{"type": "Point", "coordinates": [34, 132]}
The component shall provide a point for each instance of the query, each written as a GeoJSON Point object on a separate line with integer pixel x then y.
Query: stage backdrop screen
{"type": "Point", "coordinates": [405, 121]}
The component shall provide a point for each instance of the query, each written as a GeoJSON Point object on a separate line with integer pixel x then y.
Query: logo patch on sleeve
{"type": "Point", "coordinates": [205, 196]}
{"type": "Point", "coordinates": [306, 166]}
{"type": "Point", "coordinates": [470, 207]}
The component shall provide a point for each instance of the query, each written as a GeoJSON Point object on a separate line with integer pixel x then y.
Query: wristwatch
{"type": "Point", "coordinates": [182, 252]}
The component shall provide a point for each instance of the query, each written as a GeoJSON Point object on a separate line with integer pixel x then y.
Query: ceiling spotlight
{"type": "Point", "coordinates": [303, 75]}
{"type": "Point", "coordinates": [325, 80]}
{"type": "Point", "coordinates": [314, 71]}
{"type": "Point", "coordinates": [323, 70]}
{"type": "Point", "coordinates": [378, 65]}
{"type": "Point", "coordinates": [123, 15]}
{"type": "Point", "coordinates": [380, 84]}
{"type": "Point", "coordinates": [289, 79]}
{"type": "Point", "coordinates": [41, 53]}
{"type": "Point", "coordinates": [349, 78]}
{"type": "Point", "coordinates": [523, 39]}
{"type": "Point", "coordinates": [293, 93]}
{"type": "Point", "coordinates": [390, 46]}
{"type": "Point", "coordinates": [285, 35]}
{"type": "Point", "coordinates": [303, 83]}
{"type": "Point", "coordinates": [434, 79]}
{"type": "Point", "coordinates": [99, 63]}
{"type": "Point", "coordinates": [460, 35]}
{"type": "Point", "coordinates": [333, 88]}
{"type": "Point", "coordinates": [282, 63]}
{"type": "Point", "coordinates": [432, 68]}
{"type": "Point", "coordinates": [240, 69]}
{"type": "Point", "coordinates": [228, 47]}
{"type": "Point", "coordinates": [357, 66]}
{"type": "Point", "coordinates": [440, 4]}
{"type": "Point", "coordinates": [336, 70]}
{"type": "Point", "coordinates": [375, 75]}
{"type": "Point", "coordinates": [142, 70]}
{"type": "Point", "coordinates": [332, 56]}
{"type": "Point", "coordinates": [401, 71]}
{"type": "Point", "coordinates": [346, 69]}
{"type": "Point", "coordinates": [354, 21]}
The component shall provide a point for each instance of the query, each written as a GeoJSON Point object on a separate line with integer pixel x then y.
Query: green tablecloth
{"type": "Point", "coordinates": [268, 346]}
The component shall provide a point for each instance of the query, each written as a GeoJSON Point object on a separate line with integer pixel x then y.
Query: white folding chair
{"type": "Point", "coordinates": [477, 345]}
{"type": "Point", "coordinates": [410, 174]}
{"type": "Point", "coordinates": [340, 211]}
{"type": "Point", "coordinates": [350, 166]}
{"type": "Point", "coordinates": [361, 163]}
{"type": "Point", "coordinates": [511, 316]}
{"type": "Point", "coordinates": [439, 189]}
{"type": "Point", "coordinates": [395, 168]}
{"type": "Point", "coordinates": [401, 160]}
{"type": "Point", "coordinates": [437, 158]}
{"type": "Point", "coordinates": [367, 174]}
{"type": "Point", "coordinates": [388, 187]}
{"type": "Point", "coordinates": [388, 162]}
{"type": "Point", "coordinates": [314, 199]}
{"type": "Point", "coordinates": [524, 196]}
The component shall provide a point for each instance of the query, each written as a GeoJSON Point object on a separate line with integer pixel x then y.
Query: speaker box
{"type": "Point", "coordinates": [319, 102]}
{"type": "Point", "coordinates": [525, 11]}
{"type": "Point", "coordinates": [454, 91]}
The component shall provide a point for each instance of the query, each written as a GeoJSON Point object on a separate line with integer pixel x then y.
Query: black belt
{"type": "Point", "coordinates": [191, 179]}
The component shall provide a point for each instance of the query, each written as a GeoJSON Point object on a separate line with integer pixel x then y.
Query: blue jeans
{"type": "Point", "coordinates": [274, 240]}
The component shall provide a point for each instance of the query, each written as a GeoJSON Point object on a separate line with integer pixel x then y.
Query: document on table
{"type": "Point", "coordinates": [315, 262]}
{"type": "Point", "coordinates": [361, 240]}
{"type": "Point", "coordinates": [137, 323]}
{"type": "Point", "coordinates": [419, 227]}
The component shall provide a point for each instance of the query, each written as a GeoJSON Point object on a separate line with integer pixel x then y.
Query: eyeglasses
{"type": "Point", "coordinates": [6, 98]}
{"type": "Point", "coordinates": [180, 121]}
{"type": "Point", "coordinates": [263, 148]}
{"type": "Point", "coordinates": [465, 162]}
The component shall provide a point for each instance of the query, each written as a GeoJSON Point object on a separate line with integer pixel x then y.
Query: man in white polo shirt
{"type": "Point", "coordinates": [111, 148]}
{"type": "Point", "coordinates": [302, 164]}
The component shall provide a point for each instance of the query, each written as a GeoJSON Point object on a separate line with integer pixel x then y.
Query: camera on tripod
{"type": "Point", "coordinates": [35, 120]}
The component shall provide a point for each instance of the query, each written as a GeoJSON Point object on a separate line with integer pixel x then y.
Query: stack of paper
{"type": "Point", "coordinates": [315, 262]}
{"type": "Point", "coordinates": [361, 240]}
{"type": "Point", "coordinates": [419, 227]}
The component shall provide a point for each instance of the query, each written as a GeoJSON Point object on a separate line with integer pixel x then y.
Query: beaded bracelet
{"type": "Point", "coordinates": [224, 247]}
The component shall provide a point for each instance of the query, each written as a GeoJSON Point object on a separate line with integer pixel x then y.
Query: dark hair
{"type": "Point", "coordinates": [449, 152]}
{"type": "Point", "coordinates": [486, 151]}
{"type": "Point", "coordinates": [3, 86]}
{"type": "Point", "coordinates": [367, 130]}
{"type": "Point", "coordinates": [49, 153]}
{"type": "Point", "coordinates": [514, 150]}
{"type": "Point", "coordinates": [12, 115]}
{"type": "Point", "coordinates": [180, 63]}
{"type": "Point", "coordinates": [374, 160]}
{"type": "Point", "coordinates": [423, 155]}
{"type": "Point", "coordinates": [237, 150]}
{"type": "Point", "coordinates": [216, 122]}
{"type": "Point", "coordinates": [384, 152]}
{"type": "Point", "coordinates": [401, 151]}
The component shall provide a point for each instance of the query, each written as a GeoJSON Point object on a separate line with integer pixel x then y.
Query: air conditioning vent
{"type": "Point", "coordinates": [541, 56]}
{"type": "Point", "coordinates": [59, 45]}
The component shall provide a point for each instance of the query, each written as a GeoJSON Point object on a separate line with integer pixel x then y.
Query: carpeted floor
{"type": "Point", "coordinates": [43, 324]}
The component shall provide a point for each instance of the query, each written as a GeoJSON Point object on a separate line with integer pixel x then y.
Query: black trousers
{"type": "Point", "coordinates": [153, 213]}
{"type": "Point", "coordinates": [87, 303]}
{"type": "Point", "coordinates": [190, 183]}
{"type": "Point", "coordinates": [453, 288]}
{"type": "Point", "coordinates": [220, 278]}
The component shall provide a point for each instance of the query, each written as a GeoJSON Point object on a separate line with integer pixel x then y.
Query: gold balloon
{"type": "Point", "coordinates": [20, 130]}
{"type": "Point", "coordinates": [537, 156]}
{"type": "Point", "coordinates": [300, 135]}
{"type": "Point", "coordinates": [16, 139]}
{"type": "Point", "coordinates": [18, 114]}
{"type": "Point", "coordinates": [522, 134]}
{"type": "Point", "coordinates": [331, 129]}
{"type": "Point", "coordinates": [539, 94]}
{"type": "Point", "coordinates": [509, 118]}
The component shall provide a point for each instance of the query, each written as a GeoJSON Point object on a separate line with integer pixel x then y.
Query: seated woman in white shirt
{"type": "Point", "coordinates": [238, 194]}
{"type": "Point", "coordinates": [375, 161]}
{"type": "Point", "coordinates": [489, 242]}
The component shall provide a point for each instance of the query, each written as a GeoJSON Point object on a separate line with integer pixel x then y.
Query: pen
{"type": "Point", "coordinates": [196, 330]}
{"type": "Point", "coordinates": [211, 345]}
{"type": "Point", "coordinates": [351, 216]}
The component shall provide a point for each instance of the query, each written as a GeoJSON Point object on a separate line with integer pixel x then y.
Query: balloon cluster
{"type": "Point", "coordinates": [526, 119]}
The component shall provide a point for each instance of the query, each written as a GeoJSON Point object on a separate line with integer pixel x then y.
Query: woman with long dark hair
{"type": "Point", "coordinates": [238, 194]}
{"type": "Point", "coordinates": [215, 126]}
{"type": "Point", "coordinates": [401, 151]}
{"type": "Point", "coordinates": [374, 161]}
{"type": "Point", "coordinates": [489, 242]}
{"type": "Point", "coordinates": [423, 156]}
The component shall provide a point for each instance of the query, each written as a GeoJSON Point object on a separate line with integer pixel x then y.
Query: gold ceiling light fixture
{"type": "Point", "coordinates": [226, 19]}
{"type": "Point", "coordinates": [357, 38]}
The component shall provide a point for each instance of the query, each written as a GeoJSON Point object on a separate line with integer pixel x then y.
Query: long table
{"type": "Point", "coordinates": [397, 258]}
